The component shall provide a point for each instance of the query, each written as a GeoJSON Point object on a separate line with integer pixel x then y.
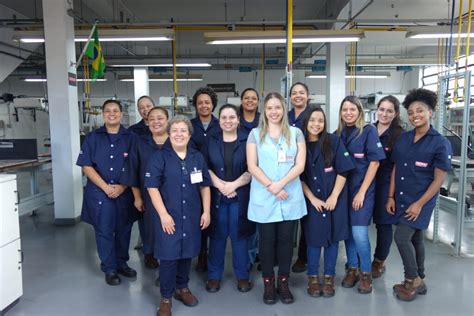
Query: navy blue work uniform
{"type": "Point", "coordinates": [172, 177]}
{"type": "Point", "coordinates": [323, 228]}
{"type": "Point", "coordinates": [297, 121]}
{"type": "Point", "coordinates": [229, 216]}
{"type": "Point", "coordinates": [364, 149]}
{"type": "Point", "coordinates": [382, 180]}
{"type": "Point", "coordinates": [133, 175]}
{"type": "Point", "coordinates": [140, 128]}
{"type": "Point", "coordinates": [415, 165]}
{"type": "Point", "coordinates": [245, 126]}
{"type": "Point", "coordinates": [112, 218]}
{"type": "Point", "coordinates": [201, 135]}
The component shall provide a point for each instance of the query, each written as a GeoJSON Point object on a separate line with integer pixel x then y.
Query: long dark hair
{"type": "Point", "coordinates": [395, 127]}
{"type": "Point", "coordinates": [324, 141]}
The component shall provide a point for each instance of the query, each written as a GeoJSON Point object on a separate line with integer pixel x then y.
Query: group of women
{"type": "Point", "coordinates": [251, 177]}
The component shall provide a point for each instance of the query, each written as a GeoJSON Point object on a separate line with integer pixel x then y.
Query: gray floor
{"type": "Point", "coordinates": [62, 277]}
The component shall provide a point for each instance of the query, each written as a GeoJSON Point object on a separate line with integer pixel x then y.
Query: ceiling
{"type": "Point", "coordinates": [193, 17]}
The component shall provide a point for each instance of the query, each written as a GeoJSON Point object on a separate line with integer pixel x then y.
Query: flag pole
{"type": "Point", "coordinates": [87, 44]}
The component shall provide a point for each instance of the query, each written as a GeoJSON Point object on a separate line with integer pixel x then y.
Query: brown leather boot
{"type": "Point", "coordinates": [184, 295]}
{"type": "Point", "coordinates": [411, 289]}
{"type": "Point", "coordinates": [269, 291]}
{"type": "Point", "coordinates": [151, 262]}
{"type": "Point", "coordinates": [314, 288]}
{"type": "Point", "coordinates": [201, 265]}
{"type": "Point", "coordinates": [378, 268]}
{"type": "Point", "coordinates": [165, 307]}
{"type": "Point", "coordinates": [351, 278]}
{"type": "Point", "coordinates": [283, 289]}
{"type": "Point", "coordinates": [365, 284]}
{"type": "Point", "coordinates": [328, 286]}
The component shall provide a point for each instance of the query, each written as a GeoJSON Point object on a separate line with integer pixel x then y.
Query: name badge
{"type": "Point", "coordinates": [281, 155]}
{"type": "Point", "coordinates": [328, 169]}
{"type": "Point", "coordinates": [359, 155]}
{"type": "Point", "coordinates": [196, 176]}
{"type": "Point", "coordinates": [421, 164]}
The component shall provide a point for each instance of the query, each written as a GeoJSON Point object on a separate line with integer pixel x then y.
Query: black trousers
{"type": "Point", "coordinates": [276, 243]}
{"type": "Point", "coordinates": [410, 244]}
{"type": "Point", "coordinates": [302, 246]}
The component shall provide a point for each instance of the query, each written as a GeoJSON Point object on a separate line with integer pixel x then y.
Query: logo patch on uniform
{"type": "Point", "coordinates": [125, 155]}
{"type": "Point", "coordinates": [328, 169]}
{"type": "Point", "coordinates": [421, 164]}
{"type": "Point", "coordinates": [359, 155]}
{"type": "Point", "coordinates": [379, 145]}
{"type": "Point", "coordinates": [346, 154]}
{"type": "Point", "coordinates": [147, 175]}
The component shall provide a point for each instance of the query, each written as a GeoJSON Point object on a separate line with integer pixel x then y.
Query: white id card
{"type": "Point", "coordinates": [196, 176]}
{"type": "Point", "coordinates": [281, 155]}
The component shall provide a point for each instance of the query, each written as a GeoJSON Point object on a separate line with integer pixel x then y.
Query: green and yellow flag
{"type": "Point", "coordinates": [94, 52]}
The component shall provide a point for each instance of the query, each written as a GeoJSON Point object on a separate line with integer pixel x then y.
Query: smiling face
{"type": "Point", "coordinates": [144, 106]}
{"type": "Point", "coordinates": [250, 101]}
{"type": "Point", "coordinates": [157, 122]}
{"type": "Point", "coordinates": [112, 114]}
{"type": "Point", "coordinates": [179, 135]}
{"type": "Point", "coordinates": [274, 111]}
{"type": "Point", "coordinates": [204, 105]}
{"type": "Point", "coordinates": [349, 113]}
{"type": "Point", "coordinates": [299, 96]}
{"type": "Point", "coordinates": [228, 120]}
{"type": "Point", "coordinates": [386, 112]}
{"type": "Point", "coordinates": [419, 114]}
{"type": "Point", "coordinates": [316, 125]}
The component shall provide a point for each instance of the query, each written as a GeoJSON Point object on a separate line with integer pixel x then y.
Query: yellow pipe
{"type": "Point", "coordinates": [458, 43]}
{"type": "Point", "coordinates": [289, 34]}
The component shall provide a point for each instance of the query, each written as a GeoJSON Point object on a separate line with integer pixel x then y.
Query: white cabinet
{"type": "Point", "coordinates": [10, 245]}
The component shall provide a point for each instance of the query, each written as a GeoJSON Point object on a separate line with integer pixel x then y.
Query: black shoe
{"type": "Point", "coordinates": [299, 266]}
{"type": "Point", "coordinates": [127, 272]}
{"type": "Point", "coordinates": [112, 278]}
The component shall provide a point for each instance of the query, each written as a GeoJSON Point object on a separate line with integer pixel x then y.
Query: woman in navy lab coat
{"type": "Point", "coordinates": [178, 182]}
{"type": "Point", "coordinates": [133, 175]}
{"type": "Point", "coordinates": [422, 158]}
{"type": "Point", "coordinates": [389, 129]}
{"type": "Point", "coordinates": [108, 204]}
{"type": "Point", "coordinates": [205, 124]}
{"type": "Point", "coordinates": [227, 164]}
{"type": "Point", "coordinates": [299, 96]}
{"type": "Point", "coordinates": [276, 153]}
{"type": "Point", "coordinates": [363, 144]}
{"type": "Point", "coordinates": [144, 105]}
{"type": "Point", "coordinates": [249, 114]}
{"type": "Point", "coordinates": [324, 179]}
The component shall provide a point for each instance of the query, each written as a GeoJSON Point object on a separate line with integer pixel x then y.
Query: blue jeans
{"type": "Point", "coordinates": [330, 258]}
{"type": "Point", "coordinates": [358, 248]}
{"type": "Point", "coordinates": [227, 226]}
{"type": "Point", "coordinates": [112, 239]}
{"type": "Point", "coordinates": [384, 241]}
{"type": "Point", "coordinates": [174, 274]}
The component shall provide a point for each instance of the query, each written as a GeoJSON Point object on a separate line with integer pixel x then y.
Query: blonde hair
{"type": "Point", "coordinates": [263, 123]}
{"type": "Point", "coordinates": [360, 122]}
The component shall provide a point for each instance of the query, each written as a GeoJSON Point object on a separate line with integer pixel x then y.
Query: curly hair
{"type": "Point", "coordinates": [428, 97]}
{"type": "Point", "coordinates": [209, 92]}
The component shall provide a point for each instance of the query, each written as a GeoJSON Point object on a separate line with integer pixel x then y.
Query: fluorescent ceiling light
{"type": "Point", "coordinates": [279, 37]}
{"type": "Point", "coordinates": [105, 35]}
{"type": "Point", "coordinates": [166, 78]}
{"type": "Point", "coordinates": [436, 32]}
{"type": "Point", "coordinates": [377, 75]}
{"type": "Point", "coordinates": [182, 65]}
{"type": "Point", "coordinates": [44, 80]}
{"type": "Point", "coordinates": [379, 62]}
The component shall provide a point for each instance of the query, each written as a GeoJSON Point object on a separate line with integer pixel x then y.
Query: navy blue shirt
{"type": "Point", "coordinates": [297, 121]}
{"type": "Point", "coordinates": [327, 227]}
{"type": "Point", "coordinates": [106, 153]}
{"type": "Point", "coordinates": [364, 149]}
{"type": "Point", "coordinates": [200, 135]}
{"type": "Point", "coordinates": [216, 163]}
{"type": "Point", "coordinates": [245, 126]}
{"type": "Point", "coordinates": [415, 165]}
{"type": "Point", "coordinates": [171, 175]}
{"type": "Point", "coordinates": [140, 128]}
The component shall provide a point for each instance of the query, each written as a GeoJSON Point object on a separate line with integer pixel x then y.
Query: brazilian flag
{"type": "Point", "coordinates": [94, 52]}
